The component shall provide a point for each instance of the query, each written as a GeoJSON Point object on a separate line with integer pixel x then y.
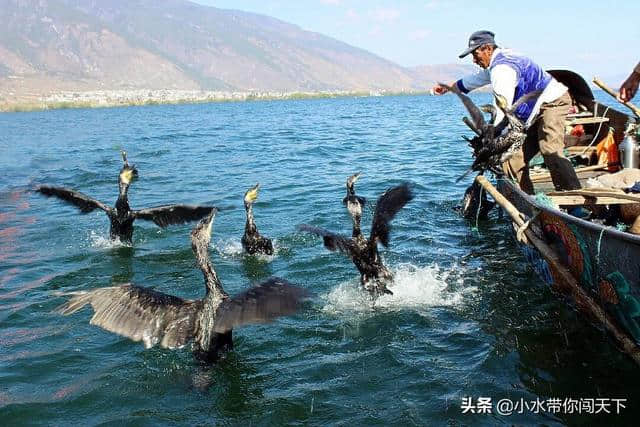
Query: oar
{"type": "Point", "coordinates": [627, 104]}
{"type": "Point", "coordinates": [562, 273]}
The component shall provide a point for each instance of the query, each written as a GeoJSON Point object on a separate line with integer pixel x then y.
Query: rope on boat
{"type": "Point", "coordinates": [479, 208]}
{"type": "Point", "coordinates": [545, 200]}
{"type": "Point", "coordinates": [595, 135]}
{"type": "Point", "coordinates": [521, 229]}
{"type": "Point", "coordinates": [598, 252]}
{"type": "Point", "coordinates": [564, 276]}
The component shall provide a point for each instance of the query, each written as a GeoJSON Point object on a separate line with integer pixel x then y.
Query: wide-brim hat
{"type": "Point", "coordinates": [477, 39]}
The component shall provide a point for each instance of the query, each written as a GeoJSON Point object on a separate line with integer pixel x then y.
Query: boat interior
{"type": "Point", "coordinates": [602, 146]}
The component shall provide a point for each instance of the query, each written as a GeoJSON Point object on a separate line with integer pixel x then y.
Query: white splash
{"type": "Point", "coordinates": [229, 247]}
{"type": "Point", "coordinates": [99, 241]}
{"type": "Point", "coordinates": [269, 258]}
{"type": "Point", "coordinates": [232, 248]}
{"type": "Point", "coordinates": [413, 288]}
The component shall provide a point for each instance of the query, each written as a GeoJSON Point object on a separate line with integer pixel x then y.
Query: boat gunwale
{"type": "Point", "coordinates": [599, 228]}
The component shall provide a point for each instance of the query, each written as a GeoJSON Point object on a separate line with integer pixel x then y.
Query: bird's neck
{"type": "Point", "coordinates": [513, 121]}
{"type": "Point", "coordinates": [214, 287]}
{"type": "Point", "coordinates": [250, 225]}
{"type": "Point", "coordinates": [211, 281]}
{"type": "Point", "coordinates": [356, 226]}
{"type": "Point", "coordinates": [122, 204]}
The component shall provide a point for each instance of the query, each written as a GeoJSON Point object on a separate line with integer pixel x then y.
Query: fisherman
{"type": "Point", "coordinates": [513, 76]}
{"type": "Point", "coordinates": [630, 86]}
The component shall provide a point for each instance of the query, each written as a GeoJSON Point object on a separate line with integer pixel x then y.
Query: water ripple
{"type": "Point", "coordinates": [467, 317]}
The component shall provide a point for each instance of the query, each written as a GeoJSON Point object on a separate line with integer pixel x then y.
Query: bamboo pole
{"type": "Point", "coordinates": [627, 104]}
{"type": "Point", "coordinates": [579, 295]}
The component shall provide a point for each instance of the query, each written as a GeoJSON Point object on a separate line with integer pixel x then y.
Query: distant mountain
{"type": "Point", "coordinates": [50, 45]}
{"type": "Point", "coordinates": [446, 73]}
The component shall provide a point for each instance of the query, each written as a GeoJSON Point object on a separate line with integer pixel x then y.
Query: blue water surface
{"type": "Point", "coordinates": [468, 318]}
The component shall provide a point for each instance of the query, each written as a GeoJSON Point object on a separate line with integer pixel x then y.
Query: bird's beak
{"type": "Point", "coordinates": [212, 214]}
{"type": "Point", "coordinates": [128, 175]}
{"type": "Point", "coordinates": [501, 102]}
{"type": "Point", "coordinates": [252, 195]}
{"type": "Point", "coordinates": [352, 179]}
{"type": "Point", "coordinates": [209, 221]}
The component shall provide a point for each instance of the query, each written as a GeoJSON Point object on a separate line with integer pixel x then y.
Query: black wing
{"type": "Point", "coordinates": [526, 98]}
{"type": "Point", "coordinates": [140, 314]}
{"type": "Point", "coordinates": [467, 172]}
{"type": "Point", "coordinates": [476, 114]}
{"type": "Point", "coordinates": [471, 126]}
{"type": "Point", "coordinates": [173, 214]}
{"type": "Point", "coordinates": [83, 202]}
{"type": "Point", "coordinates": [387, 207]}
{"type": "Point", "coordinates": [332, 241]}
{"type": "Point", "coordinates": [260, 304]}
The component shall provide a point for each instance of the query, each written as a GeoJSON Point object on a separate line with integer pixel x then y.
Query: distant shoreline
{"type": "Point", "coordinates": [140, 97]}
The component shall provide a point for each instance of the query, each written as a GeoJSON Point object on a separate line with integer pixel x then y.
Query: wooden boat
{"type": "Point", "coordinates": [596, 265]}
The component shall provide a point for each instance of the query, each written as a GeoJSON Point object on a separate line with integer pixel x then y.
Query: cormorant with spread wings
{"type": "Point", "coordinates": [152, 317]}
{"type": "Point", "coordinates": [122, 217]}
{"type": "Point", "coordinates": [374, 276]}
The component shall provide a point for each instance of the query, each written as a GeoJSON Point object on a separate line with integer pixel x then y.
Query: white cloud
{"type": "Point", "coordinates": [332, 2]}
{"type": "Point", "coordinates": [384, 15]}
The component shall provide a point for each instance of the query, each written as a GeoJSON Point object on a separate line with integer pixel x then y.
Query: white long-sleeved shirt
{"type": "Point", "coordinates": [504, 79]}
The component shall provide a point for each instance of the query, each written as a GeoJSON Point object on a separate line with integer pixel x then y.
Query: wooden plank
{"type": "Point", "coordinates": [582, 200]}
{"type": "Point", "coordinates": [587, 121]}
{"type": "Point", "coordinates": [547, 177]}
{"type": "Point", "coordinates": [577, 149]}
{"type": "Point", "coordinates": [580, 114]}
{"type": "Point", "coordinates": [598, 192]}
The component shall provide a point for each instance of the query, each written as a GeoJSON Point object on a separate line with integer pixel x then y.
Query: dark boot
{"type": "Point", "coordinates": [562, 173]}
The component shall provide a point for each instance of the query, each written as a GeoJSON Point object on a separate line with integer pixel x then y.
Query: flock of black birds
{"type": "Point", "coordinates": [143, 314]}
{"type": "Point", "coordinates": [152, 317]}
{"type": "Point", "coordinates": [492, 145]}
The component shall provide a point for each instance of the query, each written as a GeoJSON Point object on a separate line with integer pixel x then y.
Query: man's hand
{"type": "Point", "coordinates": [630, 86]}
{"type": "Point", "coordinates": [439, 89]}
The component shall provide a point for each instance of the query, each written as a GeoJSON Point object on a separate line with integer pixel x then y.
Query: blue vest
{"type": "Point", "coordinates": [530, 77]}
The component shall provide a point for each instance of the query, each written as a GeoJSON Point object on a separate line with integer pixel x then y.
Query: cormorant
{"type": "Point", "coordinates": [252, 241]}
{"type": "Point", "coordinates": [122, 216]}
{"type": "Point", "coordinates": [152, 317]}
{"type": "Point", "coordinates": [351, 196]}
{"type": "Point", "coordinates": [374, 276]}
{"type": "Point", "coordinates": [475, 204]}
{"type": "Point", "coordinates": [495, 143]}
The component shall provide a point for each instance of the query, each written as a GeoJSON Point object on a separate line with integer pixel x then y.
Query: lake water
{"type": "Point", "coordinates": [468, 318]}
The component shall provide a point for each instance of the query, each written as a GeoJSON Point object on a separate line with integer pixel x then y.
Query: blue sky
{"type": "Point", "coordinates": [591, 37]}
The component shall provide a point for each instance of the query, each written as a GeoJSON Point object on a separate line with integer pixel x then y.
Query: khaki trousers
{"type": "Point", "coordinates": [546, 135]}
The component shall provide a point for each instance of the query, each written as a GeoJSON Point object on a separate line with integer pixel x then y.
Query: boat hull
{"type": "Point", "coordinates": [604, 261]}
